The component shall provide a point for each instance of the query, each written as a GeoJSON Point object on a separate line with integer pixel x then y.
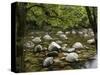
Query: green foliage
{"type": "Point", "coordinates": [57, 15]}
{"type": "Point", "coordinates": [65, 16]}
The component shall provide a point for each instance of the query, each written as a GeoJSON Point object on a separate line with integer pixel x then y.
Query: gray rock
{"type": "Point", "coordinates": [67, 32]}
{"type": "Point", "coordinates": [71, 57]}
{"type": "Point", "coordinates": [47, 37]}
{"type": "Point", "coordinates": [48, 61]}
{"type": "Point", "coordinates": [29, 44]}
{"type": "Point", "coordinates": [54, 47]}
{"type": "Point", "coordinates": [91, 41]}
{"type": "Point", "coordinates": [59, 33]}
{"type": "Point", "coordinates": [86, 35]}
{"type": "Point", "coordinates": [73, 32]}
{"type": "Point", "coordinates": [77, 45]}
{"type": "Point", "coordinates": [37, 40]}
{"type": "Point", "coordinates": [38, 48]}
{"type": "Point", "coordinates": [59, 42]}
{"type": "Point", "coordinates": [63, 37]}
{"type": "Point", "coordinates": [80, 33]}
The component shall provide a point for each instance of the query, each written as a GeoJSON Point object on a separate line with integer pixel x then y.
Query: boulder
{"type": "Point", "coordinates": [38, 48]}
{"type": "Point", "coordinates": [67, 32]}
{"type": "Point", "coordinates": [54, 47]}
{"type": "Point", "coordinates": [63, 37]}
{"type": "Point", "coordinates": [37, 40]}
{"type": "Point", "coordinates": [59, 42]}
{"type": "Point", "coordinates": [77, 45]}
{"type": "Point", "coordinates": [29, 44]}
{"type": "Point", "coordinates": [73, 32]}
{"type": "Point", "coordinates": [47, 37]}
{"type": "Point", "coordinates": [48, 61]}
{"type": "Point", "coordinates": [86, 35]}
{"type": "Point", "coordinates": [91, 41]}
{"type": "Point", "coordinates": [59, 33]}
{"type": "Point", "coordinates": [80, 32]}
{"type": "Point", "coordinates": [71, 57]}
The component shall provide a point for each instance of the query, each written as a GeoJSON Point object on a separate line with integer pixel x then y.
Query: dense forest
{"type": "Point", "coordinates": [51, 30]}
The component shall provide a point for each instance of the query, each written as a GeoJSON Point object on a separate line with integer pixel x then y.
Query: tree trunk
{"type": "Point", "coordinates": [92, 15]}
{"type": "Point", "coordinates": [21, 18]}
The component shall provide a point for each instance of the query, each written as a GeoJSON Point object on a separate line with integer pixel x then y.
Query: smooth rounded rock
{"type": "Point", "coordinates": [71, 57]}
{"type": "Point", "coordinates": [37, 40]}
{"type": "Point", "coordinates": [73, 32]}
{"type": "Point", "coordinates": [67, 32]}
{"type": "Point", "coordinates": [29, 44]}
{"type": "Point", "coordinates": [47, 37]}
{"type": "Point", "coordinates": [59, 42]}
{"type": "Point", "coordinates": [77, 45]}
{"type": "Point", "coordinates": [54, 47]}
{"type": "Point", "coordinates": [91, 41]}
{"type": "Point", "coordinates": [48, 61]}
{"type": "Point", "coordinates": [59, 33]}
{"type": "Point", "coordinates": [63, 37]}
{"type": "Point", "coordinates": [38, 48]}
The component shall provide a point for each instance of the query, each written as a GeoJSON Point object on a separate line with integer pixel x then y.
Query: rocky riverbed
{"type": "Point", "coordinates": [34, 60]}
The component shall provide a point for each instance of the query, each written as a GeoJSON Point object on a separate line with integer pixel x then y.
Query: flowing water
{"type": "Point", "coordinates": [91, 63]}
